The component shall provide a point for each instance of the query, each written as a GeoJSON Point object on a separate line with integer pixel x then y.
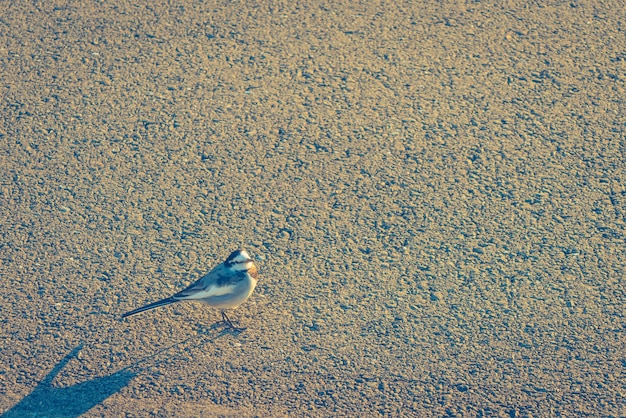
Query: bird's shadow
{"type": "Point", "coordinates": [73, 401]}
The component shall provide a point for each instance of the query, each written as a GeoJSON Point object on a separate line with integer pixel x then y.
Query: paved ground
{"type": "Point", "coordinates": [434, 192]}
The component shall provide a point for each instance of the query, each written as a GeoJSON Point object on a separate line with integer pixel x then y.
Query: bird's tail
{"type": "Point", "coordinates": [152, 305]}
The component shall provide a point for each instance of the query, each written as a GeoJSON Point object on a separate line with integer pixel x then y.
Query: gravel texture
{"type": "Point", "coordinates": [434, 191]}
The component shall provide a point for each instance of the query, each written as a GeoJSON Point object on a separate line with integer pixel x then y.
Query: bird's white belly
{"type": "Point", "coordinates": [229, 296]}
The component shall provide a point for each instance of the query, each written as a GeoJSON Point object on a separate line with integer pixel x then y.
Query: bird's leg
{"type": "Point", "coordinates": [229, 323]}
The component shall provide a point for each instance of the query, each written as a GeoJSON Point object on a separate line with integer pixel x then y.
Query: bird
{"type": "Point", "coordinates": [226, 286]}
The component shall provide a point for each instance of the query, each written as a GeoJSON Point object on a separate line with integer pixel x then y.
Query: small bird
{"type": "Point", "coordinates": [226, 286]}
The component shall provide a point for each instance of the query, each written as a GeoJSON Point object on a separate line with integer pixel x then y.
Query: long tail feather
{"type": "Point", "coordinates": [153, 305]}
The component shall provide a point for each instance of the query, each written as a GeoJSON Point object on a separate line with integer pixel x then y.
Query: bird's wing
{"type": "Point", "coordinates": [217, 282]}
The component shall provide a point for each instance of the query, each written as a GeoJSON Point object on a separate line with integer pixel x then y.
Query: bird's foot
{"type": "Point", "coordinates": [228, 322]}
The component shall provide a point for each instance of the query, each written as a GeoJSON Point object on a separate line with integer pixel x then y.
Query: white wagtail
{"type": "Point", "coordinates": [226, 286]}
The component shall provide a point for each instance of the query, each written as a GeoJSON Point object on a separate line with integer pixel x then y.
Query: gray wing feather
{"type": "Point", "coordinates": [219, 276]}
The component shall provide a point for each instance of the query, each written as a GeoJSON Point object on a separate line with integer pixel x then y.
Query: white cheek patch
{"type": "Point", "coordinates": [211, 291]}
{"type": "Point", "coordinates": [242, 266]}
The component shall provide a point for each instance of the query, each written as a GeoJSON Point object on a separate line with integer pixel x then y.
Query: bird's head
{"type": "Point", "coordinates": [239, 260]}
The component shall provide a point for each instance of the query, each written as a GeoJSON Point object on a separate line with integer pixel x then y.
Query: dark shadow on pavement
{"type": "Point", "coordinates": [72, 401]}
